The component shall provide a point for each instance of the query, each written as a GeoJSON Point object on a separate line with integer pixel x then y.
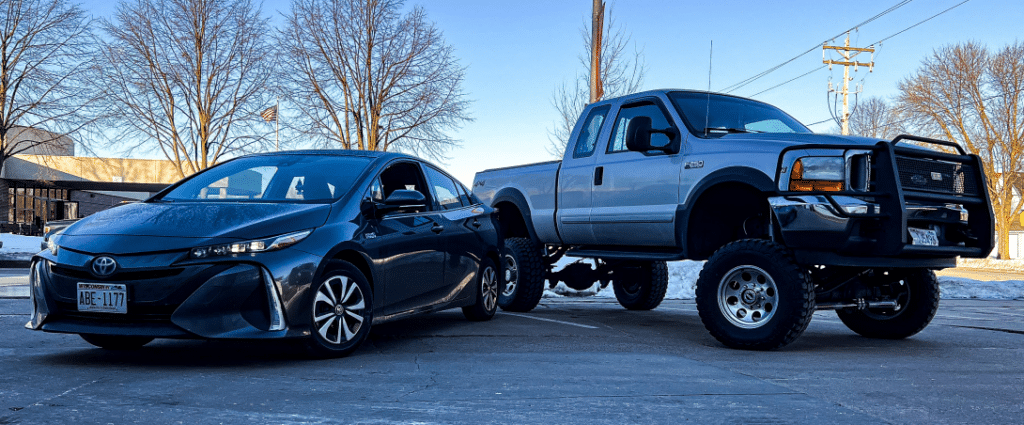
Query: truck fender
{"type": "Point", "coordinates": [514, 196]}
{"type": "Point", "coordinates": [742, 175]}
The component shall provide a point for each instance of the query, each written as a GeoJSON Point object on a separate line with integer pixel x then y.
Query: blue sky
{"type": "Point", "coordinates": [517, 52]}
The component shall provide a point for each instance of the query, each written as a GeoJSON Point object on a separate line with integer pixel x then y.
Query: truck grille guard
{"type": "Point", "coordinates": [904, 176]}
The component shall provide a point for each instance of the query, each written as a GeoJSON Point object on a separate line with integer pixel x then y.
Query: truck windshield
{"type": "Point", "coordinates": [716, 115]}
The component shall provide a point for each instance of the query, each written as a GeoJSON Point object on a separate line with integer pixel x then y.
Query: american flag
{"type": "Point", "coordinates": [269, 114]}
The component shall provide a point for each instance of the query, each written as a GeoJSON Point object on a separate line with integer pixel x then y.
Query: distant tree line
{"type": "Point", "coordinates": [973, 96]}
{"type": "Point", "coordinates": [190, 78]}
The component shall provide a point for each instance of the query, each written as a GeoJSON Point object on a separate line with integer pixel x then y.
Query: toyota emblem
{"type": "Point", "coordinates": [103, 266]}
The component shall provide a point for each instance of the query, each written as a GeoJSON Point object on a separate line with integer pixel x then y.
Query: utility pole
{"type": "Point", "coordinates": [596, 30]}
{"type": "Point", "coordinates": [848, 53]}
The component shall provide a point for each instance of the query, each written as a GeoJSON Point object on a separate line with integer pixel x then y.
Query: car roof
{"type": "Point", "coordinates": [337, 152]}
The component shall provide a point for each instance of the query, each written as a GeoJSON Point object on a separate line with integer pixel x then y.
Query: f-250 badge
{"type": "Point", "coordinates": [694, 164]}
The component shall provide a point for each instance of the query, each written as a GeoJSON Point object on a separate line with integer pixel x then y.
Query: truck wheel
{"type": "Point", "coordinates": [753, 295]}
{"type": "Point", "coordinates": [641, 288]}
{"type": "Point", "coordinates": [917, 296]}
{"type": "Point", "coordinates": [524, 276]}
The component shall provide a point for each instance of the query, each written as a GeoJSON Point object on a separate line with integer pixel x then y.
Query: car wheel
{"type": "Point", "coordinates": [116, 342]}
{"type": "Point", "coordinates": [340, 311]}
{"type": "Point", "coordinates": [917, 296]}
{"type": "Point", "coordinates": [642, 287]}
{"type": "Point", "coordinates": [487, 293]}
{"type": "Point", "coordinates": [524, 276]}
{"type": "Point", "coordinates": [752, 295]}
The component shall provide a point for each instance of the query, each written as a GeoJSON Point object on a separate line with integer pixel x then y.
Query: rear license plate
{"type": "Point", "coordinates": [102, 297]}
{"type": "Point", "coordinates": [926, 237]}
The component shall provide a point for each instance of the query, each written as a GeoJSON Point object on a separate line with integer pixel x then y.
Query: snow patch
{"type": "Point", "coordinates": [19, 244]}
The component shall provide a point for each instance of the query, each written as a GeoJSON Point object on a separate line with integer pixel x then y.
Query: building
{"type": "Point", "coordinates": [47, 182]}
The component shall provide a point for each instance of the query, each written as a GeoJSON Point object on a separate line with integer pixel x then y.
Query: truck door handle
{"type": "Point", "coordinates": [598, 176]}
{"type": "Point", "coordinates": [437, 228]}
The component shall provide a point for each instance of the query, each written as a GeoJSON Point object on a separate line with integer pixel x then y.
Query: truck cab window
{"type": "Point", "coordinates": [658, 121]}
{"type": "Point", "coordinates": [587, 140]}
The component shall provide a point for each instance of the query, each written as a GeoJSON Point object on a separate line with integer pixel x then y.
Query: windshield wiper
{"type": "Point", "coordinates": [727, 130]}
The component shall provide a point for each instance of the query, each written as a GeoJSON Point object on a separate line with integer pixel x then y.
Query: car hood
{"type": "Point", "coordinates": [168, 226]}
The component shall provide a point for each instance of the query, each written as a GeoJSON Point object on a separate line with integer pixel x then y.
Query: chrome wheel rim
{"type": "Point", "coordinates": [511, 276]}
{"type": "Point", "coordinates": [338, 309]}
{"type": "Point", "coordinates": [489, 288]}
{"type": "Point", "coordinates": [748, 297]}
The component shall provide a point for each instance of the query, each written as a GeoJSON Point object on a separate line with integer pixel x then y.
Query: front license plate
{"type": "Point", "coordinates": [925, 237]}
{"type": "Point", "coordinates": [102, 297]}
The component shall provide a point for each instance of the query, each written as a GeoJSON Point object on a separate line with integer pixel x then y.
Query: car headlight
{"type": "Point", "coordinates": [272, 243]}
{"type": "Point", "coordinates": [51, 242]}
{"type": "Point", "coordinates": [818, 173]}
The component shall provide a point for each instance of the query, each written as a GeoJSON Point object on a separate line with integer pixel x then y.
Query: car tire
{"type": "Point", "coordinates": [340, 311]}
{"type": "Point", "coordinates": [116, 342]}
{"type": "Point", "coordinates": [641, 288]}
{"type": "Point", "coordinates": [916, 292]}
{"type": "Point", "coordinates": [524, 276]}
{"type": "Point", "coordinates": [753, 295]}
{"type": "Point", "coordinates": [487, 282]}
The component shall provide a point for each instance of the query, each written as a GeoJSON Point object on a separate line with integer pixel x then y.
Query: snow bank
{"type": "Point", "coordinates": [18, 244]}
{"type": "Point", "coordinates": [991, 264]}
{"type": "Point", "coordinates": [683, 279]}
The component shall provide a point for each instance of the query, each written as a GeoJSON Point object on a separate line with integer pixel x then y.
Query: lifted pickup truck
{"type": "Point", "coordinates": [788, 221]}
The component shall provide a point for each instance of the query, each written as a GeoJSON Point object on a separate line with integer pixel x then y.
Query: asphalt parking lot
{"type": "Point", "coordinates": [569, 361]}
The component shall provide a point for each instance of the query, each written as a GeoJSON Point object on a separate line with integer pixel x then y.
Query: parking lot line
{"type": "Point", "coordinates": [551, 320]}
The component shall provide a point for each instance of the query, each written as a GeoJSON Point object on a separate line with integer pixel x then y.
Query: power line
{"type": "Point", "coordinates": [743, 83]}
{"type": "Point", "coordinates": [879, 42]}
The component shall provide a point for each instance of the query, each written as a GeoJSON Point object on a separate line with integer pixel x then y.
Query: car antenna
{"type": "Point", "coordinates": [707, 112]}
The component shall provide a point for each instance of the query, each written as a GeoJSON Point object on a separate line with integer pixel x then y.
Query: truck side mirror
{"type": "Point", "coordinates": [638, 136]}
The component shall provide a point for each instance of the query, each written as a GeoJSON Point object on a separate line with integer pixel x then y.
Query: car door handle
{"type": "Point", "coordinates": [437, 228]}
{"type": "Point", "coordinates": [598, 176]}
{"type": "Point", "coordinates": [476, 223]}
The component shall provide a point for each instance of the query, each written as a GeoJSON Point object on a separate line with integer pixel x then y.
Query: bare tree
{"type": "Point", "coordinates": [875, 118]}
{"type": "Point", "coordinates": [187, 78]}
{"type": "Point", "coordinates": [44, 97]}
{"type": "Point", "coordinates": [364, 76]}
{"type": "Point", "coordinates": [622, 72]}
{"type": "Point", "coordinates": [975, 97]}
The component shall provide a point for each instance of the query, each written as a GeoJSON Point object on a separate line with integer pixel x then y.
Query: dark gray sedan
{"type": "Point", "coordinates": [317, 245]}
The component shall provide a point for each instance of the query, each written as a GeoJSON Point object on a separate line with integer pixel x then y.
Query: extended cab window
{"type": "Point", "coordinates": [587, 140]}
{"type": "Point", "coordinates": [658, 121]}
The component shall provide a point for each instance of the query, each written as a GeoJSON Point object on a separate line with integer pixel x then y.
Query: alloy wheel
{"type": "Point", "coordinates": [748, 297]}
{"type": "Point", "coordinates": [338, 309]}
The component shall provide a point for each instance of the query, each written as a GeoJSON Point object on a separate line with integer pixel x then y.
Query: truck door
{"type": "Point", "coordinates": [635, 200]}
{"type": "Point", "coordinates": [576, 180]}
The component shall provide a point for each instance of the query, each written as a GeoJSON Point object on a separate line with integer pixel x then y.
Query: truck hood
{"type": "Point", "coordinates": [202, 220]}
{"type": "Point", "coordinates": [802, 139]}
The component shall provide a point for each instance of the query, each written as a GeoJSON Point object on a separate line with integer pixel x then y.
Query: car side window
{"type": "Point", "coordinates": [648, 109]}
{"type": "Point", "coordinates": [445, 190]}
{"type": "Point", "coordinates": [464, 195]}
{"type": "Point", "coordinates": [587, 140]}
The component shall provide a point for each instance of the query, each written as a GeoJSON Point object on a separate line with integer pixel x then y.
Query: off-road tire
{"type": "Point", "coordinates": [642, 287]}
{"type": "Point", "coordinates": [340, 274]}
{"type": "Point", "coordinates": [758, 264]}
{"type": "Point", "coordinates": [524, 275]}
{"type": "Point", "coordinates": [918, 306]}
{"type": "Point", "coordinates": [116, 342]}
{"type": "Point", "coordinates": [488, 282]}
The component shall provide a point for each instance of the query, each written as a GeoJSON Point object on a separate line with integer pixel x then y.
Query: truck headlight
{"type": "Point", "coordinates": [818, 173]}
{"type": "Point", "coordinates": [248, 247]}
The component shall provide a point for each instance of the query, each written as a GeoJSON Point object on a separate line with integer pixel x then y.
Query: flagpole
{"type": "Point", "coordinates": [277, 125]}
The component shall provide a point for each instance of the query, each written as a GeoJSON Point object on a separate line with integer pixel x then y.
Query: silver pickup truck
{"type": "Point", "coordinates": [788, 221]}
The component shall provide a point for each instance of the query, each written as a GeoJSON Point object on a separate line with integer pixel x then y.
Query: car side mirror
{"type": "Point", "coordinates": [402, 200]}
{"type": "Point", "coordinates": [638, 136]}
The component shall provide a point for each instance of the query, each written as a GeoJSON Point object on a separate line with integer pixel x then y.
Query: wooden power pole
{"type": "Point", "coordinates": [596, 31]}
{"type": "Point", "coordinates": [848, 53]}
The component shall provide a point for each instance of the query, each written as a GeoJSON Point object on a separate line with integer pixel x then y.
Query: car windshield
{"type": "Point", "coordinates": [282, 178]}
{"type": "Point", "coordinates": [716, 115]}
